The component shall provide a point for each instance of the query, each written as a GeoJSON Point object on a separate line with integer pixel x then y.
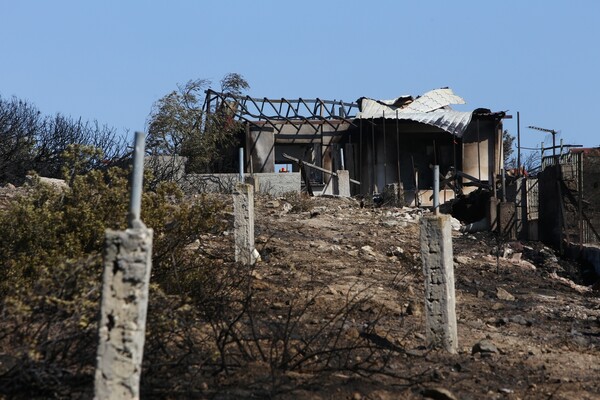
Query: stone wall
{"type": "Point", "coordinates": [274, 184]}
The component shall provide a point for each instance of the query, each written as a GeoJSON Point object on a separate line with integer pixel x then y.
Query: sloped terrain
{"type": "Point", "coordinates": [332, 310]}
{"type": "Point", "coordinates": [526, 330]}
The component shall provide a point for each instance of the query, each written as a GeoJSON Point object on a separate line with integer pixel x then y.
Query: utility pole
{"type": "Point", "coordinates": [518, 145]}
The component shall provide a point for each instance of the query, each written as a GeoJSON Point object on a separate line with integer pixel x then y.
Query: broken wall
{"type": "Point", "coordinates": [481, 150]}
{"type": "Point", "coordinates": [274, 184]}
{"type": "Point", "coordinates": [591, 190]}
{"type": "Point", "coordinates": [550, 221]}
{"type": "Point", "coordinates": [260, 149]}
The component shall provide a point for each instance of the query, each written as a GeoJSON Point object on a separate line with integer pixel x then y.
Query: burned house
{"type": "Point", "coordinates": [381, 143]}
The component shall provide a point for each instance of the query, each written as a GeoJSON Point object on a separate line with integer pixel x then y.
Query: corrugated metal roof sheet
{"type": "Point", "coordinates": [432, 109]}
{"type": "Point", "coordinates": [454, 122]}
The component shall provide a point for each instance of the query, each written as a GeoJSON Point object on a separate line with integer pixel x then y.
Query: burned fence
{"type": "Point", "coordinates": [568, 190]}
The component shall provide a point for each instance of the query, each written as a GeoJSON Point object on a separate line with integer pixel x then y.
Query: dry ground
{"type": "Point", "coordinates": [538, 321]}
{"type": "Point", "coordinates": [543, 327]}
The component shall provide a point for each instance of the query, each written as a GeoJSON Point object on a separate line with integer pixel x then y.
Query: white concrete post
{"type": "Point", "coordinates": [127, 261]}
{"type": "Point", "coordinates": [243, 224]}
{"type": "Point", "coordinates": [438, 268]}
{"type": "Point", "coordinates": [122, 328]}
{"type": "Point", "coordinates": [343, 183]}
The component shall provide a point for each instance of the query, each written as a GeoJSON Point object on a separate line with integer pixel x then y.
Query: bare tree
{"type": "Point", "coordinates": [31, 141]}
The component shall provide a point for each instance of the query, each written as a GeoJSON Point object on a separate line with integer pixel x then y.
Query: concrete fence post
{"type": "Point", "coordinates": [438, 268]}
{"type": "Point", "coordinates": [124, 304]}
{"type": "Point", "coordinates": [507, 221]}
{"type": "Point", "coordinates": [243, 224]}
{"type": "Point", "coordinates": [343, 183]}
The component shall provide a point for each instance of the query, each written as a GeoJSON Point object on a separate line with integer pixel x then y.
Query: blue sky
{"type": "Point", "coordinates": [110, 60]}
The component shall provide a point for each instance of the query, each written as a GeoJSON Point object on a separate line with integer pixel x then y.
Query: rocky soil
{"type": "Point", "coordinates": [528, 325]}
{"type": "Point", "coordinates": [528, 321]}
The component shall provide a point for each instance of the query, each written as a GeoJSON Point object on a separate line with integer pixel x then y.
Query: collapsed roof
{"type": "Point", "coordinates": [432, 108]}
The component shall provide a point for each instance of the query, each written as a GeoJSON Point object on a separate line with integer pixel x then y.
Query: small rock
{"type": "Point", "coordinates": [389, 223]}
{"type": "Point", "coordinates": [261, 239]}
{"type": "Point", "coordinates": [480, 294]}
{"type": "Point", "coordinates": [519, 319]}
{"type": "Point", "coordinates": [418, 352]}
{"type": "Point", "coordinates": [255, 256]}
{"type": "Point", "coordinates": [462, 259]}
{"type": "Point", "coordinates": [368, 251]}
{"type": "Point", "coordinates": [484, 346]}
{"type": "Point", "coordinates": [413, 308]}
{"type": "Point", "coordinates": [272, 204]}
{"type": "Point", "coordinates": [524, 264]}
{"type": "Point", "coordinates": [504, 295]}
{"type": "Point", "coordinates": [507, 253]}
{"type": "Point", "coordinates": [287, 207]}
{"type": "Point", "coordinates": [438, 394]}
{"type": "Point", "coordinates": [256, 275]}
{"type": "Point", "coordinates": [396, 251]}
{"type": "Point", "coordinates": [497, 306]}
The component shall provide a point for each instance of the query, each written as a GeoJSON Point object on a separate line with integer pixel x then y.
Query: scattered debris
{"type": "Point", "coordinates": [570, 283]}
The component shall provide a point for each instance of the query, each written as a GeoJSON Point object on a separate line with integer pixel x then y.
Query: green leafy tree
{"type": "Point", "coordinates": [180, 125]}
